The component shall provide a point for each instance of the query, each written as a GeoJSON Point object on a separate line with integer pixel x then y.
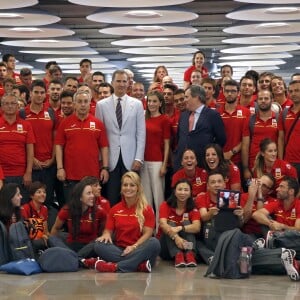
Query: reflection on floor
{"type": "Point", "coordinates": [165, 282]}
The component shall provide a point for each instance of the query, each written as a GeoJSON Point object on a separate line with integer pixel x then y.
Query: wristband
{"type": "Point", "coordinates": [59, 169]}
{"type": "Point", "coordinates": [260, 199]}
{"type": "Point", "coordinates": [105, 168]}
{"type": "Point", "coordinates": [183, 228]}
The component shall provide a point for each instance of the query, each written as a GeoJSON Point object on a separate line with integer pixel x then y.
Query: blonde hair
{"type": "Point", "coordinates": [141, 198]}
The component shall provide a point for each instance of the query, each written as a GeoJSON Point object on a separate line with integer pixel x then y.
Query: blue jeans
{"type": "Point", "coordinates": [129, 263]}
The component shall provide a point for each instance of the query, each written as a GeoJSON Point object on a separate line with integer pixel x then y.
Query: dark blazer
{"type": "Point", "coordinates": [209, 129]}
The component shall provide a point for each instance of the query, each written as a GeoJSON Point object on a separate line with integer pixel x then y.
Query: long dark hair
{"type": "Point", "coordinates": [161, 99]}
{"type": "Point", "coordinates": [172, 201]}
{"type": "Point", "coordinates": [223, 166]}
{"type": "Point", "coordinates": [75, 208]}
{"type": "Point", "coordinates": [7, 209]}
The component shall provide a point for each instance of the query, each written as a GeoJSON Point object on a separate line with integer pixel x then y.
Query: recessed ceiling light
{"type": "Point", "coordinates": [143, 14]}
{"type": "Point", "coordinates": [25, 29]}
{"type": "Point", "coordinates": [262, 46]}
{"type": "Point", "coordinates": [272, 25]}
{"type": "Point", "coordinates": [146, 40]}
{"type": "Point", "coordinates": [44, 41]}
{"type": "Point", "coordinates": [10, 16]}
{"type": "Point", "coordinates": [282, 10]}
{"type": "Point", "coordinates": [149, 28]}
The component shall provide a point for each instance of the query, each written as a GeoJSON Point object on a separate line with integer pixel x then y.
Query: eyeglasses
{"type": "Point", "coordinates": [264, 80]}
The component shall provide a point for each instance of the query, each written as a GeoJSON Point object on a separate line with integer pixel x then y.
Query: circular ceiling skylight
{"type": "Point", "coordinates": [45, 43]}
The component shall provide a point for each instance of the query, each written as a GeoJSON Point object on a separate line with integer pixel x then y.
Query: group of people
{"type": "Point", "coordinates": [160, 157]}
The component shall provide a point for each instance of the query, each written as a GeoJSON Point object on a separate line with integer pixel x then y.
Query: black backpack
{"type": "Point", "coordinates": [225, 263]}
{"type": "Point", "coordinates": [4, 245]}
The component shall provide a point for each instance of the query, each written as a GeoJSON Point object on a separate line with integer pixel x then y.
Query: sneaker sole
{"type": "Point", "coordinates": [181, 265]}
{"type": "Point", "coordinates": [191, 264]}
{"type": "Point", "coordinates": [287, 260]}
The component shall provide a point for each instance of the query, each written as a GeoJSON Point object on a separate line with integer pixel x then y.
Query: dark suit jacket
{"type": "Point", "coordinates": [209, 129]}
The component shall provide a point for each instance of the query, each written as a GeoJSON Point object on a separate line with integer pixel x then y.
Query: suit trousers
{"type": "Point", "coordinates": [113, 186]}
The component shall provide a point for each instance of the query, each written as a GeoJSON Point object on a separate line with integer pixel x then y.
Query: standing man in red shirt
{"type": "Point", "coordinates": [234, 117]}
{"type": "Point", "coordinates": [79, 141]}
{"type": "Point", "coordinates": [279, 90]}
{"type": "Point", "coordinates": [264, 124]}
{"type": "Point", "coordinates": [247, 93]}
{"type": "Point", "coordinates": [43, 123]}
{"type": "Point", "coordinates": [85, 67]}
{"type": "Point", "coordinates": [10, 61]}
{"type": "Point", "coordinates": [289, 129]}
{"type": "Point", "coordinates": [16, 146]}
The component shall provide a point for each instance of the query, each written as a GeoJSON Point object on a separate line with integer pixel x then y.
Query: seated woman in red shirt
{"type": "Point", "coordinates": [84, 219]}
{"type": "Point", "coordinates": [266, 162]}
{"type": "Point", "coordinates": [214, 160]}
{"type": "Point", "coordinates": [179, 221]}
{"type": "Point", "coordinates": [126, 244]}
{"type": "Point", "coordinates": [10, 203]}
{"type": "Point", "coordinates": [195, 175]}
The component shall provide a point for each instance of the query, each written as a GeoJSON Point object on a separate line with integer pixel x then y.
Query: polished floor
{"type": "Point", "coordinates": [165, 282]}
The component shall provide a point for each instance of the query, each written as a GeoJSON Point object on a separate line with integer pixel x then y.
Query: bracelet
{"type": "Point", "coordinates": [135, 246]}
{"type": "Point", "coordinates": [105, 168]}
{"type": "Point", "coordinates": [260, 199]}
{"type": "Point", "coordinates": [183, 228]}
{"type": "Point", "coordinates": [60, 169]}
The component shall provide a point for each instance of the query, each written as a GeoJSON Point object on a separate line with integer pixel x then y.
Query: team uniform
{"type": "Point", "coordinates": [198, 181]}
{"type": "Point", "coordinates": [251, 105]}
{"type": "Point", "coordinates": [103, 203]}
{"type": "Point", "coordinates": [280, 169]}
{"type": "Point", "coordinates": [29, 210]}
{"type": "Point", "coordinates": [234, 125]}
{"type": "Point", "coordinates": [261, 130]}
{"type": "Point", "coordinates": [173, 219]}
{"type": "Point", "coordinates": [292, 149]}
{"type": "Point", "coordinates": [13, 140]}
{"type": "Point", "coordinates": [252, 227]}
{"type": "Point", "coordinates": [81, 141]}
{"type": "Point", "coordinates": [89, 228]}
{"type": "Point", "coordinates": [93, 106]}
{"type": "Point", "coordinates": [287, 217]}
{"type": "Point", "coordinates": [188, 73]}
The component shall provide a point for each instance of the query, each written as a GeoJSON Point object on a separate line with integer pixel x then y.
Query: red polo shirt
{"type": "Point", "coordinates": [169, 213]}
{"type": "Point", "coordinates": [103, 203]}
{"type": "Point", "coordinates": [28, 210]}
{"type": "Point", "coordinates": [81, 141]}
{"type": "Point", "coordinates": [13, 141]}
{"type": "Point", "coordinates": [261, 130]}
{"type": "Point", "coordinates": [198, 181]}
{"type": "Point", "coordinates": [292, 148]}
{"type": "Point", "coordinates": [234, 125]}
{"type": "Point", "coordinates": [287, 217]}
{"type": "Point", "coordinates": [188, 73]}
{"type": "Point", "coordinates": [89, 229]}
{"type": "Point", "coordinates": [123, 222]}
{"type": "Point", "coordinates": [204, 201]}
{"type": "Point", "coordinates": [43, 128]}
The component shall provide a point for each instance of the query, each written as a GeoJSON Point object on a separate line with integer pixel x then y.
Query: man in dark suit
{"type": "Point", "coordinates": [198, 126]}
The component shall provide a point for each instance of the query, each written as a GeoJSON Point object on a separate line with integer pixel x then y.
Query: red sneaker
{"type": "Point", "coordinates": [144, 266]}
{"type": "Point", "coordinates": [89, 263]}
{"type": "Point", "coordinates": [190, 259]}
{"type": "Point", "coordinates": [103, 266]}
{"type": "Point", "coordinates": [179, 260]}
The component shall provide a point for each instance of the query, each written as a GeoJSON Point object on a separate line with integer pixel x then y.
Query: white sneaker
{"type": "Point", "coordinates": [290, 264]}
